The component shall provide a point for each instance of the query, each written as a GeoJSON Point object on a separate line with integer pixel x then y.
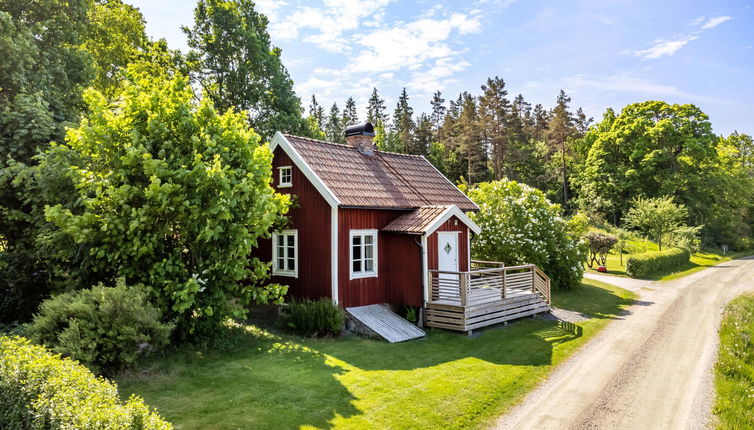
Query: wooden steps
{"type": "Point", "coordinates": [385, 323]}
{"type": "Point", "coordinates": [452, 316]}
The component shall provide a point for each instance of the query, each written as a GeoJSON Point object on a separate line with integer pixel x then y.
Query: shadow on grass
{"type": "Point", "coordinates": [591, 300]}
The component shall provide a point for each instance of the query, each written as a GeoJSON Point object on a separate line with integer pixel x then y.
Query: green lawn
{"type": "Point", "coordinates": [699, 261]}
{"type": "Point", "coordinates": [448, 380]}
{"type": "Point", "coordinates": [734, 371]}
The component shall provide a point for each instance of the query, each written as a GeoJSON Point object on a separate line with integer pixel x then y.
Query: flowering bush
{"type": "Point", "coordinates": [600, 244]}
{"type": "Point", "coordinates": [519, 226]}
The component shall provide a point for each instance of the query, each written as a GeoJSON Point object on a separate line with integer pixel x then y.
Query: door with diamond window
{"type": "Point", "coordinates": [447, 260]}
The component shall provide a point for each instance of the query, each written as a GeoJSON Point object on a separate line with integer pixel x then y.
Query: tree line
{"type": "Point", "coordinates": [650, 149]}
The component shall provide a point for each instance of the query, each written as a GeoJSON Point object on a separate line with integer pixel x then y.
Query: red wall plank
{"type": "Point", "coordinates": [398, 265]}
{"type": "Point", "coordinates": [310, 215]}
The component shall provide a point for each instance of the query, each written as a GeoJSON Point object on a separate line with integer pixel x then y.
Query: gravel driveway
{"type": "Point", "coordinates": [650, 369]}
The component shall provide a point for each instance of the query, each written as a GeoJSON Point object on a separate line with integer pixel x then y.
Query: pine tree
{"type": "Point", "coordinates": [317, 112]}
{"type": "Point", "coordinates": [438, 110]}
{"type": "Point", "coordinates": [403, 123]}
{"type": "Point", "coordinates": [376, 108]}
{"type": "Point", "coordinates": [559, 130]}
{"type": "Point", "coordinates": [350, 116]}
{"type": "Point", "coordinates": [470, 140]}
{"type": "Point", "coordinates": [422, 136]}
{"type": "Point", "coordinates": [334, 127]}
{"type": "Point", "coordinates": [494, 111]}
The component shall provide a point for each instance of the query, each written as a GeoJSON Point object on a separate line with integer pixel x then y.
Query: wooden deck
{"type": "Point", "coordinates": [488, 294]}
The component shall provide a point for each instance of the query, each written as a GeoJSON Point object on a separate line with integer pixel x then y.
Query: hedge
{"type": "Point", "coordinates": [648, 263]}
{"type": "Point", "coordinates": [41, 390]}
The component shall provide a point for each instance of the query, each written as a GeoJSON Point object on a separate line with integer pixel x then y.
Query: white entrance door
{"type": "Point", "coordinates": [447, 259]}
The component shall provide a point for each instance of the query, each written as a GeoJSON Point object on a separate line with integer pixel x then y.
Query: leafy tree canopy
{"type": "Point", "coordinates": [173, 196]}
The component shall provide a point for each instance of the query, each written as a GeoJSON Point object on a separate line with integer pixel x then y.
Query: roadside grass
{"type": "Point", "coordinates": [448, 380]}
{"type": "Point", "coordinates": [699, 261]}
{"type": "Point", "coordinates": [734, 370]}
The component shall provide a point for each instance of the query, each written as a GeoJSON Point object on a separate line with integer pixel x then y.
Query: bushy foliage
{"type": "Point", "coordinates": [313, 317]}
{"type": "Point", "coordinates": [649, 263]}
{"type": "Point", "coordinates": [106, 328]}
{"type": "Point", "coordinates": [41, 390]}
{"type": "Point", "coordinates": [600, 244]}
{"type": "Point", "coordinates": [686, 237]}
{"type": "Point", "coordinates": [173, 196]}
{"type": "Point", "coordinates": [519, 226]}
{"type": "Point", "coordinates": [656, 217]}
{"type": "Point", "coordinates": [734, 370]}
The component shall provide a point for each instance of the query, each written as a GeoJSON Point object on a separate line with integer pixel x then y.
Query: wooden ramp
{"type": "Point", "coordinates": [385, 323]}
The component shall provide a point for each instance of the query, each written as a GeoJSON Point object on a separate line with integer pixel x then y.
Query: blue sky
{"type": "Point", "coordinates": [601, 52]}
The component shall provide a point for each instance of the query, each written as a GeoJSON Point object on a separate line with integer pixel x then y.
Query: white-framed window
{"type": "Point", "coordinates": [363, 253]}
{"type": "Point", "coordinates": [285, 253]}
{"type": "Point", "coordinates": [286, 177]}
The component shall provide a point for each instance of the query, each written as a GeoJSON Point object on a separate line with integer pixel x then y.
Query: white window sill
{"type": "Point", "coordinates": [288, 274]}
{"type": "Point", "coordinates": [362, 275]}
{"type": "Point", "coordinates": [285, 185]}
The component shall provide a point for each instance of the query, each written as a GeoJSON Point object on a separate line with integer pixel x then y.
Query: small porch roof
{"type": "Point", "coordinates": [426, 219]}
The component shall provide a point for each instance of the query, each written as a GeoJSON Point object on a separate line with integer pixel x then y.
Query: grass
{"type": "Point", "coordinates": [701, 260]}
{"type": "Point", "coordinates": [734, 370]}
{"type": "Point", "coordinates": [448, 380]}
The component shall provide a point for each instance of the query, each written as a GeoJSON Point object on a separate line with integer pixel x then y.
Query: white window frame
{"type": "Point", "coordinates": [282, 169]}
{"type": "Point", "coordinates": [275, 271]}
{"type": "Point", "coordinates": [363, 274]}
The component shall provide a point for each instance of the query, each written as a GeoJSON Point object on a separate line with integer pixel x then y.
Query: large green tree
{"type": "Point", "coordinates": [650, 149]}
{"type": "Point", "coordinates": [173, 196]}
{"type": "Point", "coordinates": [238, 68]}
{"type": "Point", "coordinates": [43, 70]}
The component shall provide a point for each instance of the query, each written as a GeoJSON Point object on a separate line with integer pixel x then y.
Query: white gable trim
{"type": "Point", "coordinates": [281, 141]}
{"type": "Point", "coordinates": [446, 178]}
{"type": "Point", "coordinates": [451, 211]}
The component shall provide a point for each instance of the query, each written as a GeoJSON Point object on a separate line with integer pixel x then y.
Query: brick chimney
{"type": "Point", "coordinates": [360, 136]}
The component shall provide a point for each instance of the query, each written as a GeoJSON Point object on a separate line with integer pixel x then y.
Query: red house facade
{"type": "Point", "coordinates": [366, 226]}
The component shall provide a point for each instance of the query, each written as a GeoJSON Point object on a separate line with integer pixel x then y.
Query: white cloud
{"type": "Point", "coordinates": [714, 22]}
{"type": "Point", "coordinates": [664, 47]}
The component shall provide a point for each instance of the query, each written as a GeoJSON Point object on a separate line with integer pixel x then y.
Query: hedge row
{"type": "Point", "coordinates": [648, 263]}
{"type": "Point", "coordinates": [41, 390]}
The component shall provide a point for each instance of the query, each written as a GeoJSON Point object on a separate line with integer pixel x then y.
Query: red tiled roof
{"type": "Point", "coordinates": [416, 221]}
{"type": "Point", "coordinates": [384, 179]}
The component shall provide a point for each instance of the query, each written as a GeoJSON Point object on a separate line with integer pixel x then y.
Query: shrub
{"type": "Point", "coordinates": [106, 328]}
{"type": "Point", "coordinates": [600, 244]}
{"type": "Point", "coordinates": [313, 317]}
{"type": "Point", "coordinates": [41, 390]}
{"type": "Point", "coordinates": [519, 226]}
{"type": "Point", "coordinates": [649, 263]}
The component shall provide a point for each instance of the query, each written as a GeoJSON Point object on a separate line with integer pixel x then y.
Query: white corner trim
{"type": "Point", "coordinates": [425, 268]}
{"type": "Point", "coordinates": [451, 211]}
{"type": "Point", "coordinates": [280, 140]}
{"type": "Point", "coordinates": [446, 178]}
{"type": "Point", "coordinates": [374, 273]}
{"type": "Point", "coordinates": [334, 276]}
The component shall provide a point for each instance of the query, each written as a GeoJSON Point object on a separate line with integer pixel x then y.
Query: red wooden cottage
{"type": "Point", "coordinates": [370, 227]}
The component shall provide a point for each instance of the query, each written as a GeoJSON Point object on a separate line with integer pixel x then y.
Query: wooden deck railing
{"type": "Point", "coordinates": [488, 284]}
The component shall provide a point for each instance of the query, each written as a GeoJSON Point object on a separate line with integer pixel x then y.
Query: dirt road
{"type": "Point", "coordinates": [652, 369]}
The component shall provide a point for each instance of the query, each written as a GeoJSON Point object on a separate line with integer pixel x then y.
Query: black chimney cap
{"type": "Point", "coordinates": [366, 129]}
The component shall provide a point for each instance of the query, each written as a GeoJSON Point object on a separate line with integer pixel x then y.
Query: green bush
{"type": "Point", "coordinates": [648, 263]}
{"type": "Point", "coordinates": [313, 317]}
{"type": "Point", "coordinates": [41, 390]}
{"type": "Point", "coordinates": [520, 226]}
{"type": "Point", "coordinates": [106, 328]}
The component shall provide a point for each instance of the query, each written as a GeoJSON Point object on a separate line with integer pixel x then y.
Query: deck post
{"type": "Point", "coordinates": [503, 274]}
{"type": "Point", "coordinates": [430, 287]}
{"type": "Point", "coordinates": [533, 274]}
{"type": "Point", "coordinates": [463, 279]}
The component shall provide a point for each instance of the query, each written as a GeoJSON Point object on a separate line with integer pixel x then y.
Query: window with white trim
{"type": "Point", "coordinates": [286, 177]}
{"type": "Point", "coordinates": [285, 253]}
{"type": "Point", "coordinates": [363, 253]}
